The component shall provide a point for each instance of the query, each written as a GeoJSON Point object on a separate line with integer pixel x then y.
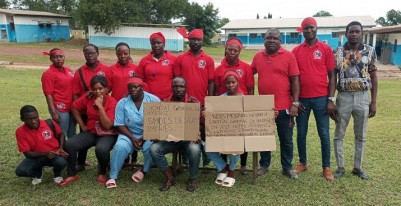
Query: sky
{"type": "Point", "coordinates": [248, 9]}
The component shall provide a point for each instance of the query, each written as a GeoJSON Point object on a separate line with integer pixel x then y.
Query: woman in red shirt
{"type": "Point", "coordinates": [98, 132]}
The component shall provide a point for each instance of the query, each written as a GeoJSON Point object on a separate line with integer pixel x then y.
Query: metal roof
{"type": "Point", "coordinates": [31, 13]}
{"type": "Point", "coordinates": [386, 29]}
{"type": "Point", "coordinates": [329, 21]}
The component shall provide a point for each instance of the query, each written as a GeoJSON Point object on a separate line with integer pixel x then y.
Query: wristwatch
{"type": "Point", "coordinates": [332, 99]}
{"type": "Point", "coordinates": [296, 104]}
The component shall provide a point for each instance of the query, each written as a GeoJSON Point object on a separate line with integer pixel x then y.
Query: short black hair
{"type": "Point", "coordinates": [122, 44]}
{"type": "Point", "coordinates": [27, 109]}
{"type": "Point", "coordinates": [353, 23]}
{"type": "Point", "coordinates": [98, 79]}
{"type": "Point", "coordinates": [92, 45]}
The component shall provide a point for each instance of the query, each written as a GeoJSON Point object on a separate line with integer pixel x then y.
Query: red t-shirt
{"type": "Point", "coordinates": [243, 70]}
{"type": "Point", "coordinates": [118, 77]}
{"type": "Point", "coordinates": [88, 73]}
{"type": "Point", "coordinates": [157, 74]}
{"type": "Point", "coordinates": [313, 63]}
{"type": "Point", "coordinates": [196, 71]}
{"type": "Point", "coordinates": [59, 85]}
{"type": "Point", "coordinates": [274, 72]}
{"type": "Point", "coordinates": [85, 104]}
{"type": "Point", "coordinates": [37, 140]}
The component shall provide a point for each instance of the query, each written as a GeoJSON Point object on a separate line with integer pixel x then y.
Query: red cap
{"type": "Point", "coordinates": [306, 21]}
{"type": "Point", "coordinates": [231, 72]}
{"type": "Point", "coordinates": [158, 35]}
{"type": "Point", "coordinates": [234, 41]}
{"type": "Point", "coordinates": [196, 33]}
{"type": "Point", "coordinates": [55, 51]}
{"type": "Point", "coordinates": [135, 80]}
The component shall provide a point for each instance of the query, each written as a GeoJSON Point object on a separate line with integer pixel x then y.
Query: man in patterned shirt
{"type": "Point", "coordinates": [356, 69]}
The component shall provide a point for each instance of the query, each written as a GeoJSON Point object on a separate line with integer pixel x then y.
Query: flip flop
{"type": "Point", "coordinates": [138, 176]}
{"type": "Point", "coordinates": [228, 182]}
{"type": "Point", "coordinates": [111, 183]}
{"type": "Point", "coordinates": [220, 178]}
{"type": "Point", "coordinates": [101, 179]}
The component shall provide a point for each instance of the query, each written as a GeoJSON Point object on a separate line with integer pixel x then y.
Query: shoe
{"type": "Point", "coordinates": [57, 180]}
{"type": "Point", "coordinates": [68, 180]}
{"type": "Point", "coordinates": [328, 174]}
{"type": "Point", "coordinates": [167, 185]}
{"type": "Point", "coordinates": [206, 170]}
{"type": "Point", "coordinates": [290, 174]}
{"type": "Point", "coordinates": [191, 186]}
{"type": "Point", "coordinates": [36, 181]}
{"type": "Point", "coordinates": [80, 168]}
{"type": "Point", "coordinates": [360, 173]}
{"type": "Point", "coordinates": [339, 173]}
{"type": "Point", "coordinates": [101, 179]}
{"type": "Point", "coordinates": [243, 170]}
{"type": "Point", "coordinates": [262, 170]}
{"type": "Point", "coordinates": [301, 167]}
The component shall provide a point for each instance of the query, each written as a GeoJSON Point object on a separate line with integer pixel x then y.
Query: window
{"type": "Point", "coordinates": [41, 26]}
{"type": "Point", "coordinates": [48, 25]}
{"type": "Point", "coordinates": [12, 26]}
{"type": "Point", "coordinates": [263, 35]}
{"type": "Point", "coordinates": [253, 35]}
{"type": "Point", "coordinates": [294, 35]}
{"type": "Point", "coordinates": [395, 45]}
{"type": "Point", "coordinates": [232, 35]}
{"type": "Point", "coordinates": [334, 35]}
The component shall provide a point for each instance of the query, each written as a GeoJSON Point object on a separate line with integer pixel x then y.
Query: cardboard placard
{"type": "Point", "coordinates": [248, 117]}
{"type": "Point", "coordinates": [171, 121]}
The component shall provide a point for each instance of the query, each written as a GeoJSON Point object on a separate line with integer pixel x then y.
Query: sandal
{"type": "Point", "coordinates": [167, 185]}
{"type": "Point", "coordinates": [111, 183]}
{"type": "Point", "coordinates": [138, 176]}
{"type": "Point", "coordinates": [228, 182]}
{"type": "Point", "coordinates": [220, 178]}
{"type": "Point", "coordinates": [101, 179]}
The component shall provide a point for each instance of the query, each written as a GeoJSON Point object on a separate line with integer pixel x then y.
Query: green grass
{"type": "Point", "coordinates": [381, 162]}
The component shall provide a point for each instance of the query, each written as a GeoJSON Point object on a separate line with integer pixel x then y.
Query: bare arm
{"type": "Point", "coordinates": [210, 88]}
{"type": "Point", "coordinates": [295, 94]}
{"type": "Point", "coordinates": [373, 91]}
{"type": "Point", "coordinates": [105, 121]}
{"type": "Point", "coordinates": [52, 108]}
{"type": "Point", "coordinates": [331, 107]}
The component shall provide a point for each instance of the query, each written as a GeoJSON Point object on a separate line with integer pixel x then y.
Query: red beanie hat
{"type": "Point", "coordinates": [231, 72]}
{"type": "Point", "coordinates": [306, 21]}
{"type": "Point", "coordinates": [158, 35]}
{"type": "Point", "coordinates": [196, 33]}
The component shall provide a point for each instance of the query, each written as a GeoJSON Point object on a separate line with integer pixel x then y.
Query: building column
{"type": "Point", "coordinates": [247, 39]}
{"type": "Point", "coordinates": [285, 37]}
{"type": "Point", "coordinates": [374, 40]}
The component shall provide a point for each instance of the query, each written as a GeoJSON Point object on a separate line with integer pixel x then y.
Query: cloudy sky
{"type": "Point", "coordinates": [247, 9]}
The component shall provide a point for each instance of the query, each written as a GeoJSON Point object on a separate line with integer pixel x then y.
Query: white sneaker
{"type": "Point", "coordinates": [57, 180]}
{"type": "Point", "coordinates": [36, 181]}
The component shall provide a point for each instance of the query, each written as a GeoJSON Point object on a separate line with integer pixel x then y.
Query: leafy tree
{"type": "Point", "coordinates": [257, 16]}
{"type": "Point", "coordinates": [382, 21]}
{"type": "Point", "coordinates": [4, 4]}
{"type": "Point", "coordinates": [322, 13]}
{"type": "Point", "coordinates": [393, 18]}
{"type": "Point", "coordinates": [269, 15]}
{"type": "Point", "coordinates": [55, 6]}
{"type": "Point", "coordinates": [222, 22]}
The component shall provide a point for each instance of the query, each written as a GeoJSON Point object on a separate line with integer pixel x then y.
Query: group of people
{"type": "Point", "coordinates": [301, 81]}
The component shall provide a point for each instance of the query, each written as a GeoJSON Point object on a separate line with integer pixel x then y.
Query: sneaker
{"type": "Point", "coordinates": [262, 170]}
{"type": "Point", "coordinates": [301, 167]}
{"type": "Point", "coordinates": [328, 174]}
{"type": "Point", "coordinates": [290, 174]}
{"type": "Point", "coordinates": [360, 173]}
{"type": "Point", "coordinates": [191, 186]}
{"type": "Point", "coordinates": [339, 173]}
{"type": "Point", "coordinates": [57, 180]}
{"type": "Point", "coordinates": [36, 181]}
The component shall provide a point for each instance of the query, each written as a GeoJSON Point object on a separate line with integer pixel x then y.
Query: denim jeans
{"type": "Point", "coordinates": [67, 124]}
{"type": "Point", "coordinates": [191, 150]}
{"type": "Point", "coordinates": [318, 106]}
{"type": "Point", "coordinates": [32, 167]}
{"type": "Point", "coordinates": [220, 163]}
{"type": "Point", "coordinates": [285, 127]}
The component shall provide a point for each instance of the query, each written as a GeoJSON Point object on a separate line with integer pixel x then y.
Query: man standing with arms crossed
{"type": "Point", "coordinates": [316, 64]}
{"type": "Point", "coordinates": [278, 74]}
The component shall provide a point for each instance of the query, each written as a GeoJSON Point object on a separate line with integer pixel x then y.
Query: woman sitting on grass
{"type": "Point", "coordinates": [99, 132]}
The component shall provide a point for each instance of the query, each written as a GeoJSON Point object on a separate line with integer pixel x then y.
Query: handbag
{"type": "Point", "coordinates": [104, 132]}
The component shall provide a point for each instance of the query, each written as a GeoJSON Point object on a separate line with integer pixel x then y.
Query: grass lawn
{"type": "Point", "coordinates": [382, 158]}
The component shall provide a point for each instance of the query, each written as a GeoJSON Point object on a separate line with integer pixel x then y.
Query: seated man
{"type": "Point", "coordinates": [37, 140]}
{"type": "Point", "coordinates": [190, 148]}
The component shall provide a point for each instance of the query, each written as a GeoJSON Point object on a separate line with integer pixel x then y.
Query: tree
{"type": "Point", "coordinates": [55, 6]}
{"type": "Point", "coordinates": [257, 16]}
{"type": "Point", "coordinates": [269, 15]}
{"type": "Point", "coordinates": [393, 18]}
{"type": "Point", "coordinates": [4, 4]}
{"type": "Point", "coordinates": [322, 13]}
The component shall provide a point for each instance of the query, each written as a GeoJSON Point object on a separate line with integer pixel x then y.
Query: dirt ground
{"type": "Point", "coordinates": [384, 71]}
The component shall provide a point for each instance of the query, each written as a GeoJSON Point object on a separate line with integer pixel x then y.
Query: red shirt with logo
{"type": "Point", "coordinates": [274, 72]}
{"type": "Point", "coordinates": [59, 84]}
{"type": "Point", "coordinates": [88, 73]}
{"type": "Point", "coordinates": [196, 71]}
{"type": "Point", "coordinates": [85, 104]}
{"type": "Point", "coordinates": [314, 62]}
{"type": "Point", "coordinates": [37, 140]}
{"type": "Point", "coordinates": [117, 79]}
{"type": "Point", "coordinates": [244, 71]}
{"type": "Point", "coordinates": [157, 73]}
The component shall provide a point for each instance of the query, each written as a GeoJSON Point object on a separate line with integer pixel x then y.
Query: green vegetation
{"type": "Point", "coordinates": [382, 159]}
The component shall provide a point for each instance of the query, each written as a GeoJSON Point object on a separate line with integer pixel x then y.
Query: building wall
{"type": "Point", "coordinates": [136, 37]}
{"type": "Point", "coordinates": [395, 55]}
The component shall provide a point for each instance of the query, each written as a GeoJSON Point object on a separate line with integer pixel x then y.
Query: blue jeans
{"type": "Point", "coordinates": [285, 127]}
{"type": "Point", "coordinates": [122, 149]}
{"type": "Point", "coordinates": [67, 123]}
{"type": "Point", "coordinates": [191, 150]}
{"type": "Point", "coordinates": [318, 105]}
{"type": "Point", "coordinates": [220, 163]}
{"type": "Point", "coordinates": [32, 167]}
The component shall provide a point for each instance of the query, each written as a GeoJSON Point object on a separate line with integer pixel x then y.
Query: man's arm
{"type": "Point", "coordinates": [331, 107]}
{"type": "Point", "coordinates": [210, 87]}
{"type": "Point", "coordinates": [373, 91]}
{"type": "Point", "coordinates": [295, 94]}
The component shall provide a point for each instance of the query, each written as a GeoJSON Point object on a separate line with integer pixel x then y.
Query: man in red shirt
{"type": "Point", "coordinates": [278, 75]}
{"type": "Point", "coordinates": [40, 145]}
{"type": "Point", "coordinates": [316, 64]}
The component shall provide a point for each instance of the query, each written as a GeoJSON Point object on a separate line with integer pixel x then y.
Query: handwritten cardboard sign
{"type": "Point", "coordinates": [171, 121]}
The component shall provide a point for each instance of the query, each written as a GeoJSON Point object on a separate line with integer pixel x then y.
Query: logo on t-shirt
{"type": "Point", "coordinates": [131, 74]}
{"type": "Point", "coordinates": [202, 64]}
{"type": "Point", "coordinates": [101, 73]}
{"type": "Point", "coordinates": [46, 134]}
{"type": "Point", "coordinates": [71, 74]}
{"type": "Point", "coordinates": [240, 72]}
{"type": "Point", "coordinates": [61, 105]}
{"type": "Point", "coordinates": [165, 62]}
{"type": "Point", "coordinates": [317, 54]}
